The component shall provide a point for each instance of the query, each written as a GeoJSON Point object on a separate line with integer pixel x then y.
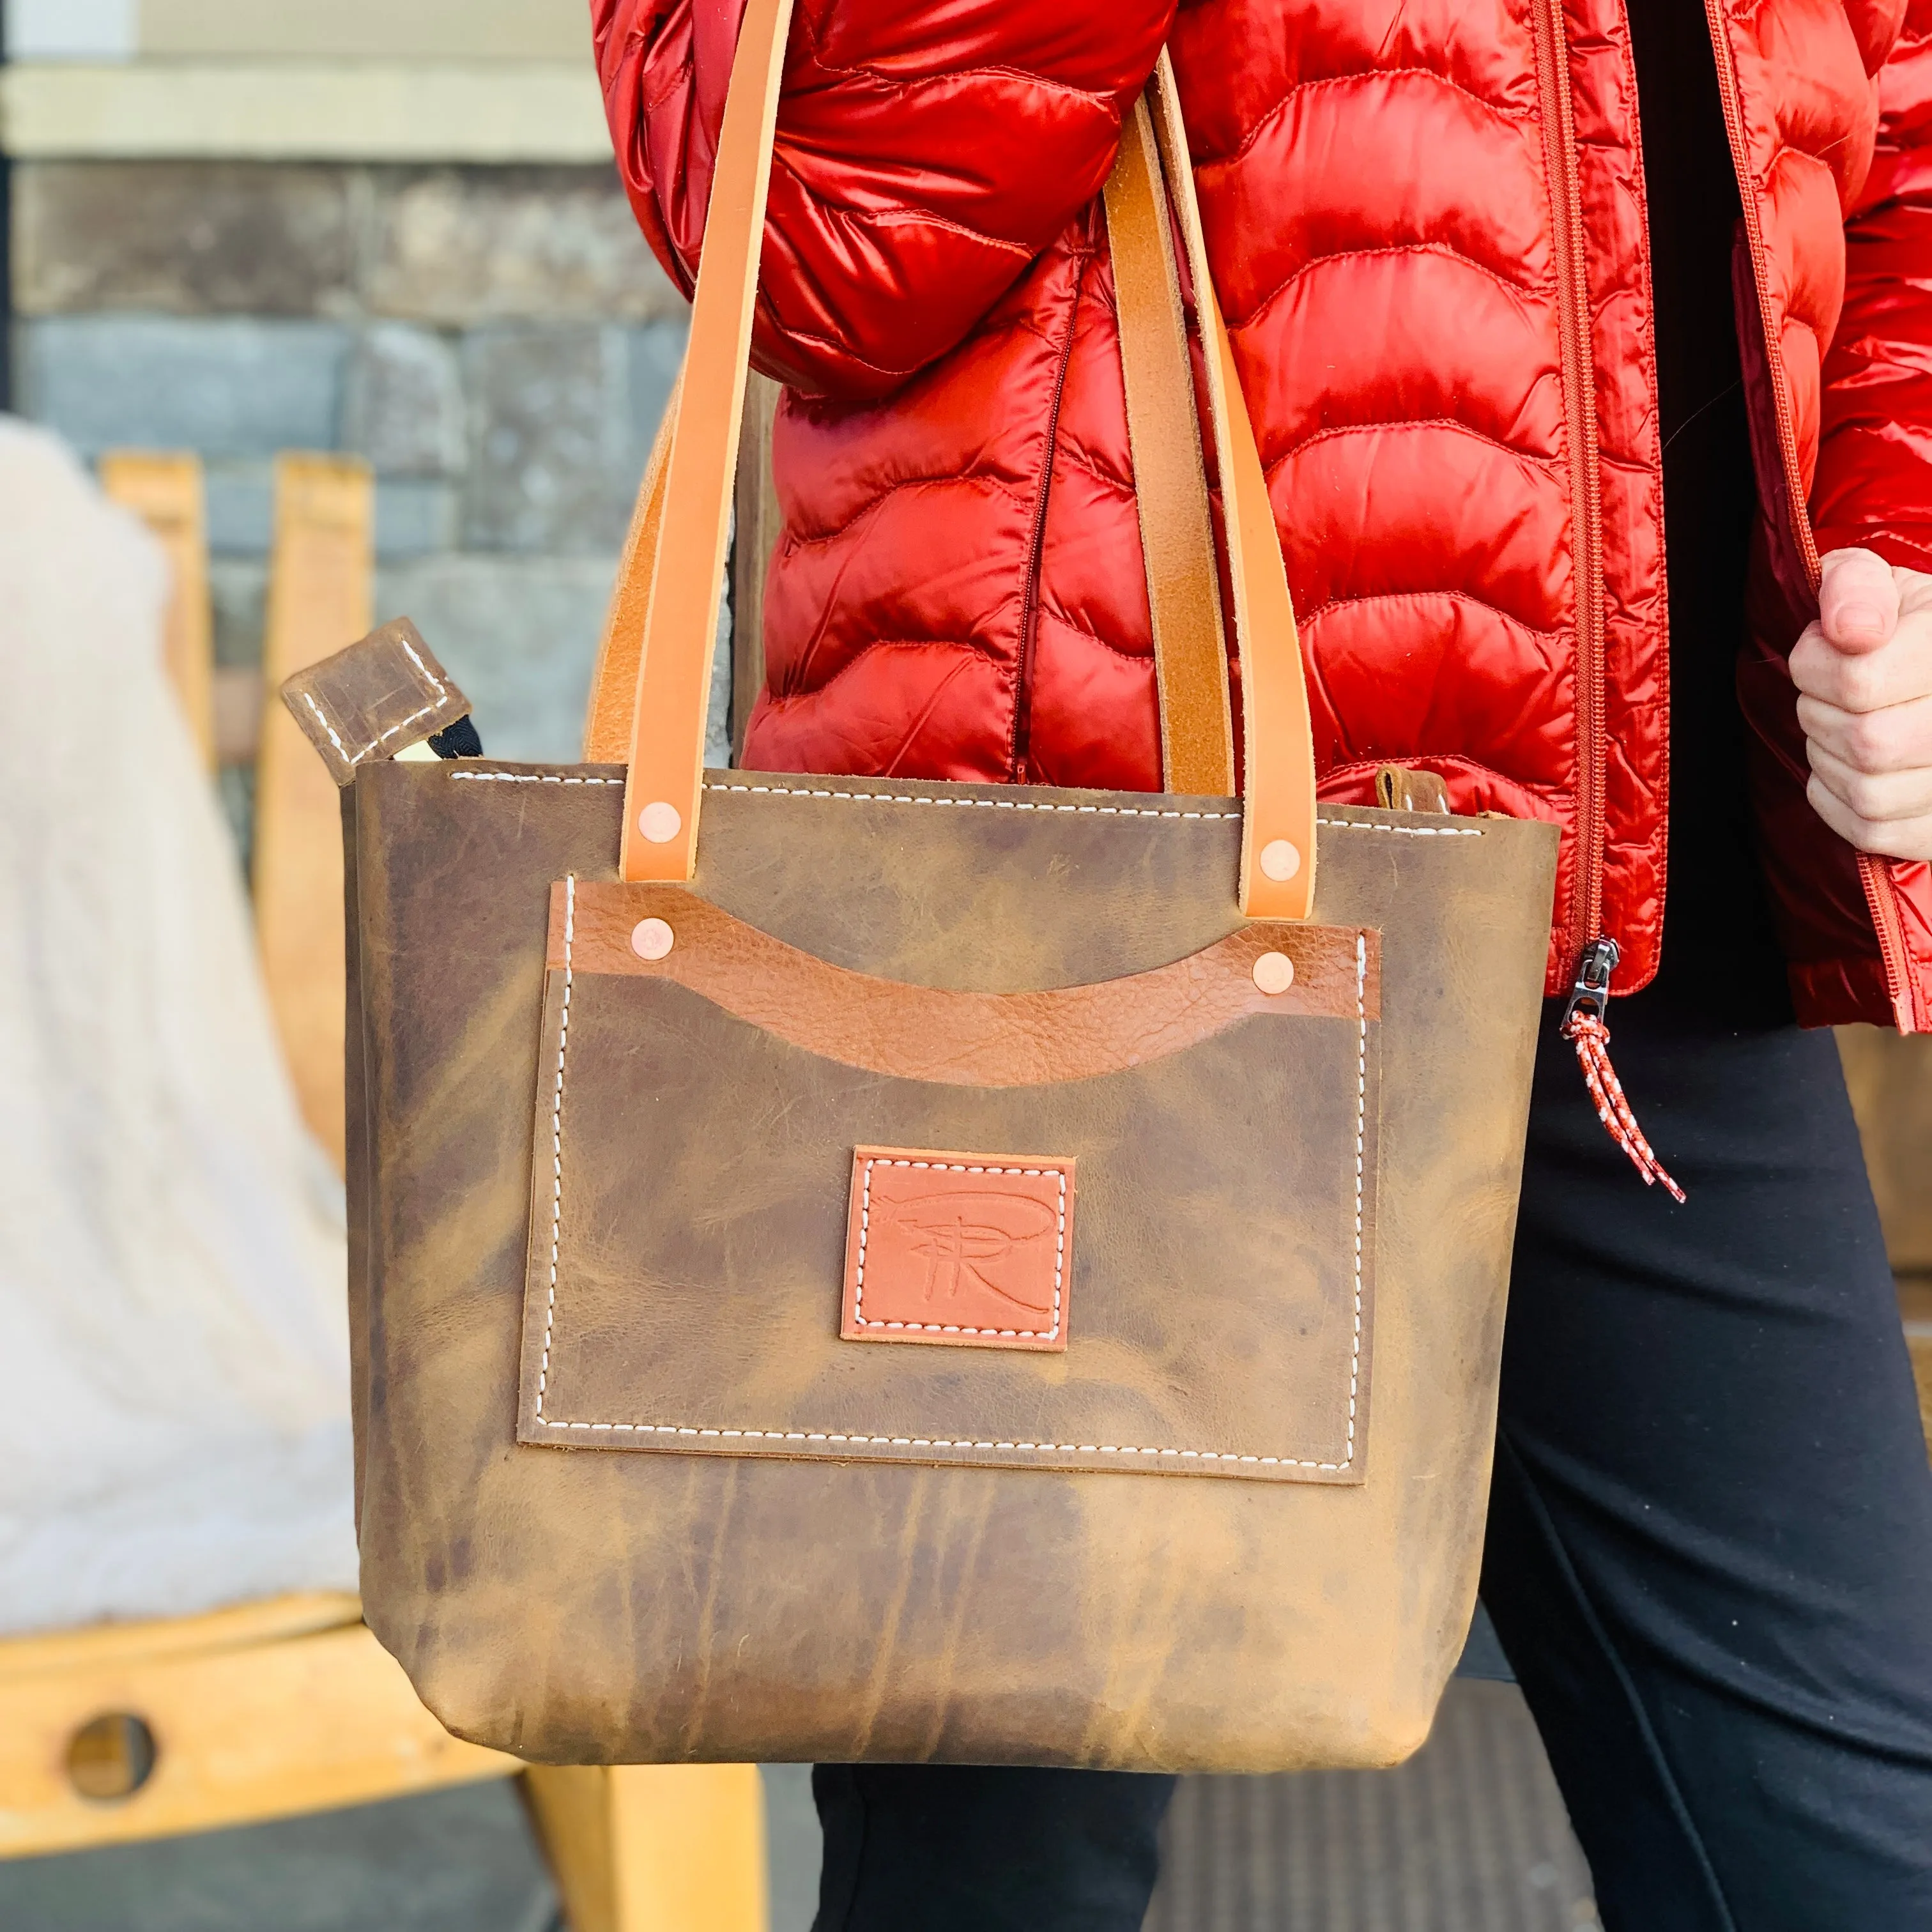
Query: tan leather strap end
{"type": "Point", "coordinates": [1277, 876]}
{"type": "Point", "coordinates": [373, 700]}
{"type": "Point", "coordinates": [1197, 739]}
{"type": "Point", "coordinates": [664, 788]}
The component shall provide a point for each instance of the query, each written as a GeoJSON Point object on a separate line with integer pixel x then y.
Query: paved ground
{"type": "Point", "coordinates": [1469, 1837]}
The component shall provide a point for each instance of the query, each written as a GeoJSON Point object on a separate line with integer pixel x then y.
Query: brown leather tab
{"type": "Point", "coordinates": [1402, 788]}
{"type": "Point", "coordinates": [373, 699]}
{"type": "Point", "coordinates": [1197, 739]}
{"type": "Point", "coordinates": [965, 1250]}
{"type": "Point", "coordinates": [1280, 970]}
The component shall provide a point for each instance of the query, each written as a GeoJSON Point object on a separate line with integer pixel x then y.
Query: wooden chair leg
{"type": "Point", "coordinates": [654, 1848]}
{"type": "Point", "coordinates": [1890, 1077]}
{"type": "Point", "coordinates": [320, 585]}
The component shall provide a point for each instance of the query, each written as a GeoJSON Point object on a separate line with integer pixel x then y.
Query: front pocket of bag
{"type": "Point", "coordinates": [1161, 1187]}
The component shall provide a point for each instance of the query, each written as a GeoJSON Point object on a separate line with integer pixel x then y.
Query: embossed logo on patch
{"type": "Point", "coordinates": [970, 1248]}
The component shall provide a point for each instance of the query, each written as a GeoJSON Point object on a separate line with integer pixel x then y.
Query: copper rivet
{"type": "Point", "coordinates": [1279, 859]}
{"type": "Point", "coordinates": [659, 823]}
{"type": "Point", "coordinates": [1274, 972]}
{"type": "Point", "coordinates": [650, 939]}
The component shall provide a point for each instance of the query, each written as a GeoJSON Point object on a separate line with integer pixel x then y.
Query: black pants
{"type": "Point", "coordinates": [1709, 1554]}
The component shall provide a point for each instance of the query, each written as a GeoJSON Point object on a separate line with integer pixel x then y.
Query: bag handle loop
{"type": "Point", "coordinates": [1277, 865]}
{"type": "Point", "coordinates": [668, 586]}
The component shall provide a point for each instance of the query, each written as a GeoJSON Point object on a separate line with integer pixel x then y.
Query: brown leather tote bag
{"type": "Point", "coordinates": [926, 1271]}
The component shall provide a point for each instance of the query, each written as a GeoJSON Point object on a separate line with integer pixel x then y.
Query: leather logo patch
{"type": "Point", "coordinates": [971, 1250]}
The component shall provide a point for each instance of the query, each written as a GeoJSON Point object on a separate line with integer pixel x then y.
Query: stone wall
{"type": "Point", "coordinates": [497, 341]}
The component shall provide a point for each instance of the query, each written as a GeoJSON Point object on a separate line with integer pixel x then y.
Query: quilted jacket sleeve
{"type": "Point", "coordinates": [1874, 480]}
{"type": "Point", "coordinates": [928, 151]}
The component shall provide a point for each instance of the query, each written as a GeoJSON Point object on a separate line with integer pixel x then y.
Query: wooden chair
{"type": "Point", "coordinates": [266, 1710]}
{"type": "Point", "coordinates": [1891, 1082]}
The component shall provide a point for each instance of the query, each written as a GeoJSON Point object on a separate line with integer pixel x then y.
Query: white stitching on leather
{"type": "Point", "coordinates": [526, 778]}
{"type": "Point", "coordinates": [556, 1138]}
{"type": "Point", "coordinates": [1361, 1118]}
{"type": "Point", "coordinates": [1404, 831]}
{"type": "Point", "coordinates": [436, 683]}
{"type": "Point", "coordinates": [683, 1430]}
{"type": "Point", "coordinates": [354, 758]}
{"type": "Point", "coordinates": [427, 711]}
{"type": "Point", "coordinates": [342, 749]}
{"type": "Point", "coordinates": [953, 1327]}
{"type": "Point", "coordinates": [983, 804]}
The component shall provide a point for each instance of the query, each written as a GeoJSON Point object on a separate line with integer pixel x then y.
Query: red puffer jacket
{"type": "Point", "coordinates": [1425, 225]}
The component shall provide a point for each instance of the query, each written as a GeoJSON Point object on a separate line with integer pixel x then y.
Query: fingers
{"type": "Point", "coordinates": [1871, 775]}
{"type": "Point", "coordinates": [1889, 839]}
{"type": "Point", "coordinates": [1858, 600]}
{"type": "Point", "coordinates": [1864, 674]}
{"type": "Point", "coordinates": [1878, 798]}
{"type": "Point", "coordinates": [1895, 738]}
{"type": "Point", "coordinates": [1896, 672]}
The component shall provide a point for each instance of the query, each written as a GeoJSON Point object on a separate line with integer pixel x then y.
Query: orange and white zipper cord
{"type": "Point", "coordinates": [1592, 1038]}
{"type": "Point", "coordinates": [1586, 1029]}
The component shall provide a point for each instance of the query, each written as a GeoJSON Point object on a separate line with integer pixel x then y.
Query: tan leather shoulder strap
{"type": "Point", "coordinates": [1277, 879]}
{"type": "Point", "coordinates": [614, 685]}
{"type": "Point", "coordinates": [662, 790]}
{"type": "Point", "coordinates": [1197, 737]}
{"type": "Point", "coordinates": [668, 588]}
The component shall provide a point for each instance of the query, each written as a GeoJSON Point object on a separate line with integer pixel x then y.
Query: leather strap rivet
{"type": "Point", "coordinates": [660, 822]}
{"type": "Point", "coordinates": [1280, 859]}
{"type": "Point", "coordinates": [1274, 972]}
{"type": "Point", "coordinates": [651, 939]}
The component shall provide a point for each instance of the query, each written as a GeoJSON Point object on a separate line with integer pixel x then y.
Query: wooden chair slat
{"type": "Point", "coordinates": [166, 489]}
{"type": "Point", "coordinates": [263, 1729]}
{"type": "Point", "coordinates": [320, 592]}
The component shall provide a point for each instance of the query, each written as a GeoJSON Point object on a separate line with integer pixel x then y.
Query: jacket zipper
{"type": "Point", "coordinates": [1584, 1024]}
{"type": "Point", "coordinates": [1566, 195]}
{"type": "Point", "coordinates": [1881, 895]}
{"type": "Point", "coordinates": [1030, 602]}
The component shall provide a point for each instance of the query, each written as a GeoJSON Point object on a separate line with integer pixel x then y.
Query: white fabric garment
{"type": "Point", "coordinates": [174, 1434]}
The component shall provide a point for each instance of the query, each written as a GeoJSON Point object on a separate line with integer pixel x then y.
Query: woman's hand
{"type": "Point", "coordinates": [1864, 673]}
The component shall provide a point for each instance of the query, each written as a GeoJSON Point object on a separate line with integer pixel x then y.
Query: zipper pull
{"type": "Point", "coordinates": [1586, 1027]}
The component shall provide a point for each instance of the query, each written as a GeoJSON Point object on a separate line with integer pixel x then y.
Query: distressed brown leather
{"type": "Point", "coordinates": [628, 1491]}
{"type": "Point", "coordinates": [1223, 1334]}
{"type": "Point", "coordinates": [958, 1249]}
{"type": "Point", "coordinates": [1402, 788]}
{"type": "Point", "coordinates": [373, 700]}
{"type": "Point", "coordinates": [962, 1039]}
{"type": "Point", "coordinates": [571, 1604]}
